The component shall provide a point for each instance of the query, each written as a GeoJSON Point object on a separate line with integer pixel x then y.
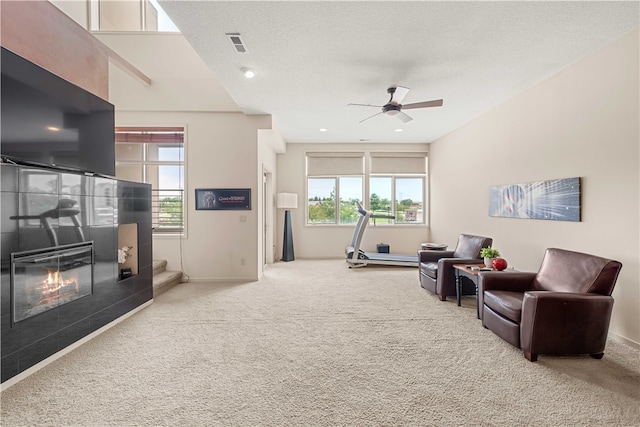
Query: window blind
{"type": "Point", "coordinates": [335, 163]}
{"type": "Point", "coordinates": [167, 135]}
{"type": "Point", "coordinates": [394, 163]}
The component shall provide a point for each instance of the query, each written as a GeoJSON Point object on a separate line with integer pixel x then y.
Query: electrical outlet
{"type": "Point", "coordinates": [243, 261]}
{"type": "Point", "coordinates": [243, 218]}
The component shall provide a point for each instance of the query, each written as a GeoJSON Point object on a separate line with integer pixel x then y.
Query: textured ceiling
{"type": "Point", "coordinates": [313, 58]}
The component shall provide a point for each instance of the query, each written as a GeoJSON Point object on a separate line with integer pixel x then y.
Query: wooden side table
{"type": "Point", "coordinates": [464, 270]}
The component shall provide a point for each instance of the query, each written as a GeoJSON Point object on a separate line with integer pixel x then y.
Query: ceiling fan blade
{"type": "Point", "coordinates": [404, 117]}
{"type": "Point", "coordinates": [370, 117]}
{"type": "Point", "coordinates": [365, 105]}
{"type": "Point", "coordinates": [399, 95]}
{"type": "Point", "coordinates": [425, 104]}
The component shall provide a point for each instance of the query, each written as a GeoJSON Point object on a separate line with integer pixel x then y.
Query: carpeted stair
{"type": "Point", "coordinates": [163, 279]}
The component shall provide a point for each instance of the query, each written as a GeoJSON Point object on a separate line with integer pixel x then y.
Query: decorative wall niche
{"type": "Point", "coordinates": [127, 250]}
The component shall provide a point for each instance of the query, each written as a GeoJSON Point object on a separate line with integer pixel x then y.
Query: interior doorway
{"type": "Point", "coordinates": [267, 217]}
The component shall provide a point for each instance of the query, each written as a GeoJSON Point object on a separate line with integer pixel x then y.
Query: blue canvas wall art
{"type": "Point", "coordinates": [556, 199]}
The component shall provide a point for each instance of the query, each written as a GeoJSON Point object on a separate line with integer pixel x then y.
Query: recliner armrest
{"type": "Point", "coordinates": [564, 322]}
{"type": "Point", "coordinates": [432, 256]}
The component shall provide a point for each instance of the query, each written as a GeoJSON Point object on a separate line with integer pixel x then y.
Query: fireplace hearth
{"type": "Point", "coordinates": [48, 278]}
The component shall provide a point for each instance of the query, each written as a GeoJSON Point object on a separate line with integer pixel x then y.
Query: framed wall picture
{"type": "Point", "coordinates": [556, 199]}
{"type": "Point", "coordinates": [220, 199]}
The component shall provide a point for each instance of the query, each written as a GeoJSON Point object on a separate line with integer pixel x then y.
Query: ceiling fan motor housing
{"type": "Point", "coordinates": [391, 108]}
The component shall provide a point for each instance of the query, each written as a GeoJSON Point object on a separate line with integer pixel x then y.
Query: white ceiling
{"type": "Point", "coordinates": [315, 57]}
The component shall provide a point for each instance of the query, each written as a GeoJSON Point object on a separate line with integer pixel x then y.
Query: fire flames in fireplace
{"type": "Point", "coordinates": [55, 287]}
{"type": "Point", "coordinates": [51, 277]}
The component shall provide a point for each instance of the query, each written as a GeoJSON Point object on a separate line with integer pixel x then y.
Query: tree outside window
{"type": "Point", "coordinates": [323, 194]}
{"type": "Point", "coordinates": [321, 200]}
{"type": "Point", "coordinates": [350, 190]}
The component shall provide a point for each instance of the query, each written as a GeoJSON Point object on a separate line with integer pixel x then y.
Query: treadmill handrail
{"type": "Point", "coordinates": [382, 216]}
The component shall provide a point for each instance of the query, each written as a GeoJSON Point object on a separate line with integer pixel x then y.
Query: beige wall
{"type": "Point", "coordinates": [582, 122]}
{"type": "Point", "coordinates": [220, 152]}
{"type": "Point", "coordinates": [224, 149]}
{"type": "Point", "coordinates": [329, 241]}
{"type": "Point", "coordinates": [180, 80]}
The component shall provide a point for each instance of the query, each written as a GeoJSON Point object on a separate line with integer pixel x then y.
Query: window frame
{"type": "Point", "coordinates": [151, 138]}
{"type": "Point", "coordinates": [366, 176]}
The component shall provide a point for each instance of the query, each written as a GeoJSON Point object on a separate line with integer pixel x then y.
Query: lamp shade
{"type": "Point", "coordinates": [287, 201]}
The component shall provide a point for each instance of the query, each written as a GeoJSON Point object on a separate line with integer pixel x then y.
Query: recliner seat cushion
{"type": "Point", "coordinates": [505, 303]}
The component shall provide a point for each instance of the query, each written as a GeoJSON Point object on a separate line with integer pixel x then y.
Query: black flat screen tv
{"type": "Point", "coordinates": [50, 122]}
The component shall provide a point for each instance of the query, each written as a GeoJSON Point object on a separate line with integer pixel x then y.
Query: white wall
{"type": "Point", "coordinates": [220, 152]}
{"type": "Point", "coordinates": [224, 149]}
{"type": "Point", "coordinates": [329, 241]}
{"type": "Point", "coordinates": [582, 122]}
{"type": "Point", "coordinates": [180, 80]}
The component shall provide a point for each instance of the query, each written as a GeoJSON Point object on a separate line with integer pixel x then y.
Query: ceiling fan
{"type": "Point", "coordinates": [394, 106]}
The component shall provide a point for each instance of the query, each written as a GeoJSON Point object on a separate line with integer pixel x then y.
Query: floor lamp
{"type": "Point", "coordinates": [287, 201]}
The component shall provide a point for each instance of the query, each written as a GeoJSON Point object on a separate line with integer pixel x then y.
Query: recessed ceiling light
{"type": "Point", "coordinates": [398, 130]}
{"type": "Point", "coordinates": [323, 130]}
{"type": "Point", "coordinates": [249, 73]}
{"type": "Point", "coordinates": [53, 128]}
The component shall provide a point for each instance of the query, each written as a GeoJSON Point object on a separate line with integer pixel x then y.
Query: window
{"type": "Point", "coordinates": [155, 156]}
{"type": "Point", "coordinates": [334, 184]}
{"type": "Point", "coordinates": [131, 15]}
{"type": "Point", "coordinates": [398, 187]}
{"type": "Point", "coordinates": [395, 183]}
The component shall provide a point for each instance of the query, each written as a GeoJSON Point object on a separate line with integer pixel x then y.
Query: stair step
{"type": "Point", "coordinates": [165, 280]}
{"type": "Point", "coordinates": [159, 265]}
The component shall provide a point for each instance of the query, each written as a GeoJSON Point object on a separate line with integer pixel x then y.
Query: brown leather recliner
{"type": "Point", "coordinates": [435, 268]}
{"type": "Point", "coordinates": [564, 308]}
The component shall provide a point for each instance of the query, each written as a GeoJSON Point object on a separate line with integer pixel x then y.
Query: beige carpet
{"type": "Point", "coordinates": [317, 344]}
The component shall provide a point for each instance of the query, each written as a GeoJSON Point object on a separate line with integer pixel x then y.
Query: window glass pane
{"type": "Point", "coordinates": [167, 153]}
{"type": "Point", "coordinates": [129, 172]}
{"type": "Point", "coordinates": [170, 176]}
{"type": "Point", "coordinates": [129, 152]}
{"type": "Point", "coordinates": [164, 152]}
{"type": "Point", "coordinates": [350, 191]}
{"type": "Point", "coordinates": [321, 200]}
{"type": "Point", "coordinates": [380, 198]}
{"type": "Point", "coordinates": [409, 200]}
{"type": "Point", "coordinates": [170, 208]}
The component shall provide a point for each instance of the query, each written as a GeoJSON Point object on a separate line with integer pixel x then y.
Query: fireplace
{"type": "Point", "coordinates": [47, 278]}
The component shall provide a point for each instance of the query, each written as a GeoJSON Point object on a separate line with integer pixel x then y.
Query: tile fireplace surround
{"type": "Point", "coordinates": [47, 212]}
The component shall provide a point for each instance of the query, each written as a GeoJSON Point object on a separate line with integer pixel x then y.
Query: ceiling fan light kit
{"type": "Point", "coordinates": [394, 106]}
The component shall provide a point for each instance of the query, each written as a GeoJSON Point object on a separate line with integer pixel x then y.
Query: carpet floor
{"type": "Point", "coordinates": [314, 343]}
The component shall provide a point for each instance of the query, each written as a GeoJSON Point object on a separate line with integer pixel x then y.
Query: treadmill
{"type": "Point", "coordinates": [356, 257]}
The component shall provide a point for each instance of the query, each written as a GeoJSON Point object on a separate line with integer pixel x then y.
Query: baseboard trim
{"type": "Point", "coordinates": [24, 374]}
{"type": "Point", "coordinates": [624, 340]}
{"type": "Point", "coordinates": [223, 279]}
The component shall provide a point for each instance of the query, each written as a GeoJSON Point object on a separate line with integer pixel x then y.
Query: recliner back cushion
{"type": "Point", "coordinates": [567, 271]}
{"type": "Point", "coordinates": [469, 246]}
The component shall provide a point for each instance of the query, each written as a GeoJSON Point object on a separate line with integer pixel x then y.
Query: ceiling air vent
{"type": "Point", "coordinates": [236, 41]}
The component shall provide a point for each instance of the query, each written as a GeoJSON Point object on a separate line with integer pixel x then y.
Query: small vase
{"type": "Point", "coordinates": [488, 262]}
